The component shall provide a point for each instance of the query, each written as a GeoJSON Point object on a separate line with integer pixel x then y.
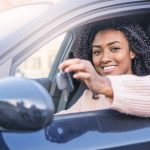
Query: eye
{"type": "Point", "coordinates": [115, 49]}
{"type": "Point", "coordinates": [96, 51]}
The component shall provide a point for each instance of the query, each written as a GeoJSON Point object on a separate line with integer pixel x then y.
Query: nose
{"type": "Point", "coordinates": [106, 57]}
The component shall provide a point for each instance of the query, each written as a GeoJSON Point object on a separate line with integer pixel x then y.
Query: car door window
{"type": "Point", "coordinates": [39, 64]}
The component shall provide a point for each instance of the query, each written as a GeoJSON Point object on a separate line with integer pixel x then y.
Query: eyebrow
{"type": "Point", "coordinates": [111, 43]}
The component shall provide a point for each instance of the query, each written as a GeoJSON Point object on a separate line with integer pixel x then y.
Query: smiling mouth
{"type": "Point", "coordinates": [108, 69]}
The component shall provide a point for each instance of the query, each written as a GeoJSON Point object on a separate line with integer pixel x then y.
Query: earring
{"type": "Point", "coordinates": [132, 57]}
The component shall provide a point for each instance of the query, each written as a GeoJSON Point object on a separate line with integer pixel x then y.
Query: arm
{"type": "Point", "coordinates": [131, 94]}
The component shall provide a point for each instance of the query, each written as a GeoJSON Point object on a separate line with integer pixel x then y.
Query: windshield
{"type": "Point", "coordinates": [16, 17]}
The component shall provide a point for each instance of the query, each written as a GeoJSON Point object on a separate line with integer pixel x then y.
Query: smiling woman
{"type": "Point", "coordinates": [112, 49]}
{"type": "Point", "coordinates": [109, 49]}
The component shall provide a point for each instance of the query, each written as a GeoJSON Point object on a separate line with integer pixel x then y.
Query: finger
{"type": "Point", "coordinates": [76, 68]}
{"type": "Point", "coordinates": [81, 75]}
{"type": "Point", "coordinates": [68, 62]}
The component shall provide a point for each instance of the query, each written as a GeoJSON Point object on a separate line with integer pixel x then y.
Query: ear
{"type": "Point", "coordinates": [132, 54]}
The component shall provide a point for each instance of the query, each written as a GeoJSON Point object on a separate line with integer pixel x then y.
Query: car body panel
{"type": "Point", "coordinates": [85, 131]}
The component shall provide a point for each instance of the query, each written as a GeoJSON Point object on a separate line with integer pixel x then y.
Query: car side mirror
{"type": "Point", "coordinates": [24, 105]}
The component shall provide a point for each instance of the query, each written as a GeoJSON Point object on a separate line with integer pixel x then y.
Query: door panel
{"type": "Point", "coordinates": [103, 129]}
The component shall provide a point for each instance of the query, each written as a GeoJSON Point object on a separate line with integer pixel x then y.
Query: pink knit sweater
{"type": "Point", "coordinates": [131, 96]}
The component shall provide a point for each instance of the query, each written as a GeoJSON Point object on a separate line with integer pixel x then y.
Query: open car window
{"type": "Point", "coordinates": [79, 87]}
{"type": "Point", "coordinates": [103, 124]}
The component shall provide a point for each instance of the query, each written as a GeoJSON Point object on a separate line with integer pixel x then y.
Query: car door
{"type": "Point", "coordinates": [105, 129]}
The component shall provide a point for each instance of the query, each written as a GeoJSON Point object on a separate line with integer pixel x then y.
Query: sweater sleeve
{"type": "Point", "coordinates": [131, 94]}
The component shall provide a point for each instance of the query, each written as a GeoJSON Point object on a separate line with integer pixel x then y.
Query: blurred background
{"type": "Point", "coordinates": [39, 64]}
{"type": "Point", "coordinates": [6, 4]}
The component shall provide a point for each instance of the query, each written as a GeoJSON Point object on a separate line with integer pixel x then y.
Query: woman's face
{"type": "Point", "coordinates": [111, 54]}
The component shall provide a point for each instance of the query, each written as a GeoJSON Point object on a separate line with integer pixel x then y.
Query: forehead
{"type": "Point", "coordinates": [109, 35]}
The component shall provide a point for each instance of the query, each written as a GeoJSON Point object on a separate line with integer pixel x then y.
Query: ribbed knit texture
{"type": "Point", "coordinates": [131, 96]}
{"type": "Point", "coordinates": [86, 103]}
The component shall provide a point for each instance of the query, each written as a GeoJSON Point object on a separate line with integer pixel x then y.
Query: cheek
{"type": "Point", "coordinates": [96, 60]}
{"type": "Point", "coordinates": [122, 58]}
{"type": "Point", "coordinates": [124, 61]}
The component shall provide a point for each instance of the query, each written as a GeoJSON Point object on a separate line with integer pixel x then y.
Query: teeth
{"type": "Point", "coordinates": [109, 67]}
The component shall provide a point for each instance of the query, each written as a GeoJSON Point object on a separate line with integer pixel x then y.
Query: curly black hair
{"type": "Point", "coordinates": [137, 39]}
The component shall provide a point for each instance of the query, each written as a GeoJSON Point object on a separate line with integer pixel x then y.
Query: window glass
{"type": "Point", "coordinates": [39, 64]}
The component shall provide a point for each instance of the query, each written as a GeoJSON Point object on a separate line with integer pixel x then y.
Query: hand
{"type": "Point", "coordinates": [84, 70]}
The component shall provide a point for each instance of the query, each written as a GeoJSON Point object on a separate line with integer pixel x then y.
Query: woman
{"type": "Point", "coordinates": [111, 51]}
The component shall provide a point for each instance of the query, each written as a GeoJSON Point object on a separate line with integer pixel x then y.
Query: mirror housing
{"type": "Point", "coordinates": [24, 105]}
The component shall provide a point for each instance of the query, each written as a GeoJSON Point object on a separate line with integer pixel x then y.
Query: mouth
{"type": "Point", "coordinates": [108, 69]}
